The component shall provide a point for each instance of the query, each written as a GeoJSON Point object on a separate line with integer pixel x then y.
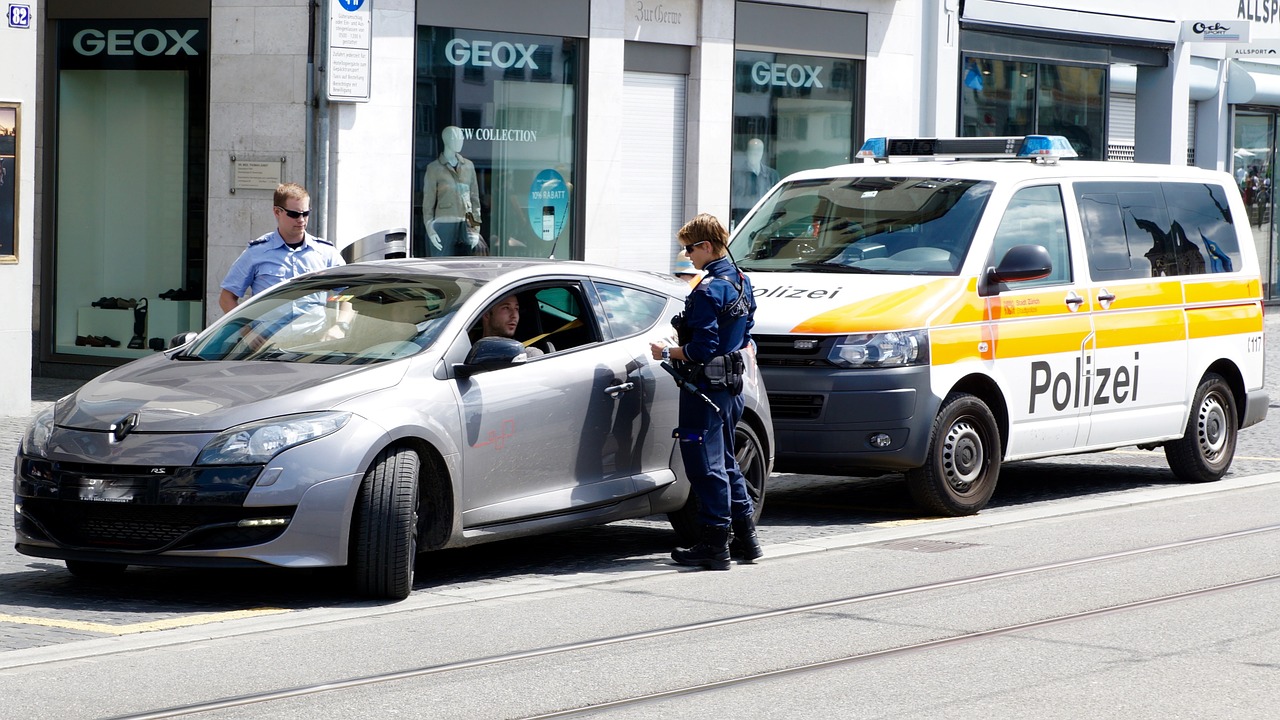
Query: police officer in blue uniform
{"type": "Point", "coordinates": [714, 327]}
{"type": "Point", "coordinates": [283, 253]}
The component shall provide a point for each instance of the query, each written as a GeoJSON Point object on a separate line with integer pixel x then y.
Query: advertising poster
{"type": "Point", "coordinates": [8, 182]}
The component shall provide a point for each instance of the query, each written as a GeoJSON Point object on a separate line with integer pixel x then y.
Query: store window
{"type": "Point", "coordinates": [495, 123]}
{"type": "Point", "coordinates": [790, 113]}
{"type": "Point", "coordinates": [1012, 97]}
{"type": "Point", "coordinates": [1254, 169]}
{"type": "Point", "coordinates": [129, 179]}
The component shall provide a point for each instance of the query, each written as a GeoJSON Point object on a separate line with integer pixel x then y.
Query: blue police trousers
{"type": "Point", "coordinates": [706, 446]}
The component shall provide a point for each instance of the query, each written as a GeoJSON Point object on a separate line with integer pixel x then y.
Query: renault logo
{"type": "Point", "coordinates": [121, 428]}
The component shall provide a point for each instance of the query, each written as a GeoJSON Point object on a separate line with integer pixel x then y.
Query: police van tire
{"type": "Point", "coordinates": [963, 464]}
{"type": "Point", "coordinates": [1204, 453]}
{"type": "Point", "coordinates": [384, 526]}
{"type": "Point", "coordinates": [752, 463]}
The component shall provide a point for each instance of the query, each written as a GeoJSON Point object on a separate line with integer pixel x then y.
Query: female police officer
{"type": "Point", "coordinates": [714, 327]}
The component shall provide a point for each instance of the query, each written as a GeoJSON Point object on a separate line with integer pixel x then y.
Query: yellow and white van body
{"type": "Point", "coordinates": [940, 318]}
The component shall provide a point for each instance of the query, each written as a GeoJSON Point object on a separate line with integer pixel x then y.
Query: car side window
{"type": "Point", "coordinates": [630, 310]}
{"type": "Point", "coordinates": [1035, 217]}
{"type": "Point", "coordinates": [552, 318]}
{"type": "Point", "coordinates": [1150, 229]}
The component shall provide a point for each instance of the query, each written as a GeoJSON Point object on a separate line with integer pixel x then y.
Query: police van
{"type": "Point", "coordinates": [942, 317]}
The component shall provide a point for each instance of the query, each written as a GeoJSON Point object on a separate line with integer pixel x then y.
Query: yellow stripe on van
{"type": "Point", "coordinates": [901, 310]}
{"type": "Point", "coordinates": [1222, 290]}
{"type": "Point", "coordinates": [1153, 293]}
{"type": "Point", "coordinates": [1041, 336]}
{"type": "Point", "coordinates": [1220, 321]}
{"type": "Point", "coordinates": [966, 307]}
{"type": "Point", "coordinates": [958, 343]}
{"type": "Point", "coordinates": [1118, 329]}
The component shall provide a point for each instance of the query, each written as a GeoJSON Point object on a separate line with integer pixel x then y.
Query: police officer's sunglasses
{"type": "Point", "coordinates": [294, 214]}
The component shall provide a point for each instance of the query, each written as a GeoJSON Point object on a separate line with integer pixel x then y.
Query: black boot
{"type": "Point", "coordinates": [745, 546]}
{"type": "Point", "coordinates": [711, 552]}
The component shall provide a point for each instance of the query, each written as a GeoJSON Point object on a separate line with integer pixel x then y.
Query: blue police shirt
{"type": "Point", "coordinates": [712, 329]}
{"type": "Point", "coordinates": [269, 261]}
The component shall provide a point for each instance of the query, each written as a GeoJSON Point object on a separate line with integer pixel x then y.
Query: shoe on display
{"type": "Point", "coordinates": [137, 342]}
{"type": "Point", "coordinates": [109, 342]}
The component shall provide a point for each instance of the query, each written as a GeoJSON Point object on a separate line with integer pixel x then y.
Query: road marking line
{"type": "Point", "coordinates": [131, 628]}
{"type": "Point", "coordinates": [904, 523]}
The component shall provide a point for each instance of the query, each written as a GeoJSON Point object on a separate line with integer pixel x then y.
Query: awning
{"type": "Point", "coordinates": [1203, 79]}
{"type": "Point", "coordinates": [1253, 84]}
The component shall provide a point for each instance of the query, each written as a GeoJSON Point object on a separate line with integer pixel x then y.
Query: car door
{"type": "Point", "coordinates": [1136, 387]}
{"type": "Point", "coordinates": [534, 432]}
{"type": "Point", "coordinates": [1040, 329]}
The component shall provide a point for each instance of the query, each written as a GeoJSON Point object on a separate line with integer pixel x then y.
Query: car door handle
{"type": "Point", "coordinates": [615, 389]}
{"type": "Point", "coordinates": [1105, 298]}
{"type": "Point", "coordinates": [1073, 301]}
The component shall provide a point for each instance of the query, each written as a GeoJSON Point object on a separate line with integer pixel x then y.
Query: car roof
{"type": "Point", "coordinates": [488, 269]}
{"type": "Point", "coordinates": [1015, 170]}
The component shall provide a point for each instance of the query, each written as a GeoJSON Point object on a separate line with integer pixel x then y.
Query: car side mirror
{"type": "Point", "coordinates": [181, 339]}
{"type": "Point", "coordinates": [491, 353]}
{"type": "Point", "coordinates": [1021, 262]}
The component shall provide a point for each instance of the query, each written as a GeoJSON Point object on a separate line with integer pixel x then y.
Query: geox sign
{"type": "Point", "coordinates": [144, 44]}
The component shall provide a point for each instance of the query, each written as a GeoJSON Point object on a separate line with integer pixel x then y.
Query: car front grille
{"type": "Point", "coordinates": [788, 406]}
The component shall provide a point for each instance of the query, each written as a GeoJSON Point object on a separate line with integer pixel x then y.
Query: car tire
{"type": "Point", "coordinates": [754, 466]}
{"type": "Point", "coordinates": [1205, 451]}
{"type": "Point", "coordinates": [384, 526]}
{"type": "Point", "coordinates": [963, 463]}
{"type": "Point", "coordinates": [89, 570]}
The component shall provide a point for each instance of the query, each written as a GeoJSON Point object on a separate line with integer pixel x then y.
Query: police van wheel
{"type": "Point", "coordinates": [964, 459]}
{"type": "Point", "coordinates": [384, 526]}
{"type": "Point", "coordinates": [1205, 451]}
{"type": "Point", "coordinates": [753, 464]}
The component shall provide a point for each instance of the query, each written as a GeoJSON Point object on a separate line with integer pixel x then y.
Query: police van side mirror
{"type": "Point", "coordinates": [491, 353]}
{"type": "Point", "coordinates": [1021, 262]}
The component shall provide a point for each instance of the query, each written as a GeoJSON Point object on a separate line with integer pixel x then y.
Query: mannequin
{"type": "Point", "coordinates": [450, 196]}
{"type": "Point", "coordinates": [751, 180]}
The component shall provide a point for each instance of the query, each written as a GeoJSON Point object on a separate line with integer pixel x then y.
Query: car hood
{"type": "Point", "coordinates": [195, 396]}
{"type": "Point", "coordinates": [831, 303]}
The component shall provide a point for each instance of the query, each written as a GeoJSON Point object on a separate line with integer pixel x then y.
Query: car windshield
{"type": "Point", "coordinates": [337, 319]}
{"type": "Point", "coordinates": [890, 225]}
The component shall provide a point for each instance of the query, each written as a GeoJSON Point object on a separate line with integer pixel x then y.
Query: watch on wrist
{"type": "Point", "coordinates": [666, 353]}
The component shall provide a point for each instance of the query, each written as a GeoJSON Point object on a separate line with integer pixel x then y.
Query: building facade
{"type": "Point", "coordinates": [589, 129]}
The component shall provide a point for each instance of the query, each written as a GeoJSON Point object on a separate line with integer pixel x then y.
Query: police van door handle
{"type": "Point", "coordinates": [1074, 301]}
{"type": "Point", "coordinates": [1105, 298]}
{"type": "Point", "coordinates": [613, 390]}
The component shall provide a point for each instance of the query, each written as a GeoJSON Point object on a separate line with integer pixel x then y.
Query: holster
{"type": "Point", "coordinates": [723, 372]}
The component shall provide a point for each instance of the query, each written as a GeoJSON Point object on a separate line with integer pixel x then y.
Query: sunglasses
{"type": "Point", "coordinates": [689, 248]}
{"type": "Point", "coordinates": [294, 214]}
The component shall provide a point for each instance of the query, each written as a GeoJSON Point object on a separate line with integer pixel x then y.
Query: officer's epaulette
{"type": "Point", "coordinates": [322, 240]}
{"type": "Point", "coordinates": [259, 241]}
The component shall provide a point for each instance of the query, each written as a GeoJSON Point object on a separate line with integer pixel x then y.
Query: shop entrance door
{"type": "Point", "coordinates": [1254, 153]}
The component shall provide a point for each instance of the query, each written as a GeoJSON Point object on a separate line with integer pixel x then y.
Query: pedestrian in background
{"type": "Point", "coordinates": [283, 253]}
{"type": "Point", "coordinates": [711, 333]}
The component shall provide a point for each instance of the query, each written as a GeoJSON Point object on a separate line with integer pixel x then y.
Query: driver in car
{"type": "Point", "coordinates": [502, 319]}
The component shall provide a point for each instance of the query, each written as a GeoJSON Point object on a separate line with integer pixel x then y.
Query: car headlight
{"type": "Point", "coordinates": [257, 442]}
{"type": "Point", "coordinates": [36, 440]}
{"type": "Point", "coordinates": [890, 349]}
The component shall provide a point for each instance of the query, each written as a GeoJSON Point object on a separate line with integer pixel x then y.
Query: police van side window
{"type": "Point", "coordinates": [1203, 223]}
{"type": "Point", "coordinates": [1147, 229]}
{"type": "Point", "coordinates": [1035, 217]}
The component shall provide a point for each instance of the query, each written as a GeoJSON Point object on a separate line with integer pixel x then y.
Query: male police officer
{"type": "Point", "coordinates": [283, 253]}
{"type": "Point", "coordinates": [712, 330]}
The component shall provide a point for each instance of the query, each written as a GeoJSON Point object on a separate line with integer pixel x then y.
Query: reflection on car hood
{"type": "Point", "coordinates": [828, 304]}
{"type": "Point", "coordinates": [174, 396]}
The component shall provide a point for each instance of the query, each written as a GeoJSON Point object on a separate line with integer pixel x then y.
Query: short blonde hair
{"type": "Point", "coordinates": [705, 227]}
{"type": "Point", "coordinates": [285, 191]}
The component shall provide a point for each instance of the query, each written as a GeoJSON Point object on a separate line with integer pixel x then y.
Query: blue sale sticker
{"type": "Point", "coordinates": [548, 205]}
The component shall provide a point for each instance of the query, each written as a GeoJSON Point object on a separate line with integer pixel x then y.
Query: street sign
{"type": "Point", "coordinates": [350, 50]}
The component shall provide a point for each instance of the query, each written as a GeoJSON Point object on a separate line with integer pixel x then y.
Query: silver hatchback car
{"type": "Point", "coordinates": [356, 417]}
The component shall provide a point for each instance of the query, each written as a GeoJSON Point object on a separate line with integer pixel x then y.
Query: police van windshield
{"type": "Point", "coordinates": [890, 225]}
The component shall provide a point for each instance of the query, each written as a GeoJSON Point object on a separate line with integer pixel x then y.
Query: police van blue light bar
{"type": "Point", "coordinates": [1035, 147]}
